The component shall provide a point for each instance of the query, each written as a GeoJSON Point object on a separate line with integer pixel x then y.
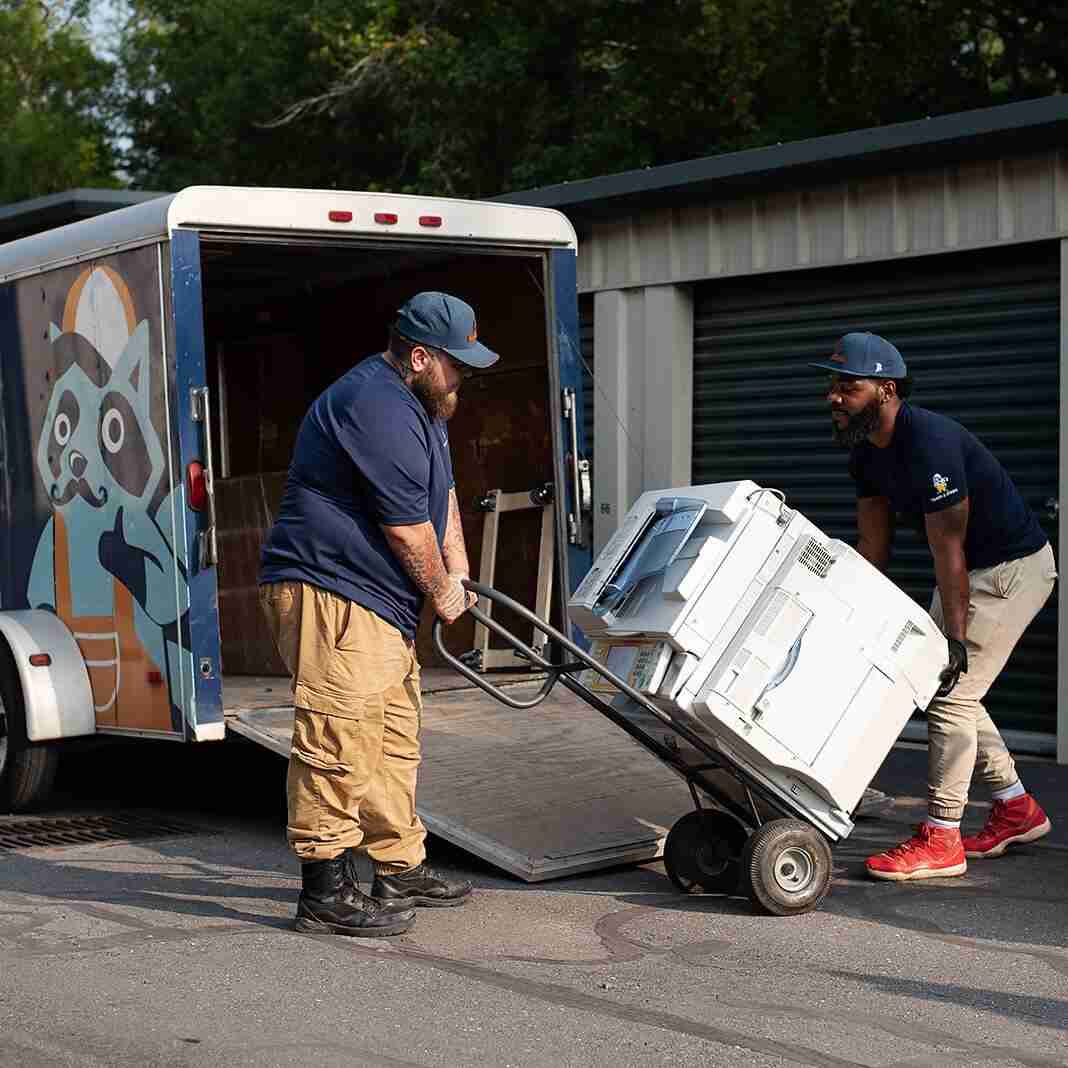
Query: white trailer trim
{"type": "Point", "coordinates": [308, 211]}
{"type": "Point", "coordinates": [289, 213]}
{"type": "Point", "coordinates": [57, 696]}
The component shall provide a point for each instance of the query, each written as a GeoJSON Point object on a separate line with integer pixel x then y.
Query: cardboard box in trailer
{"type": "Point", "coordinates": [155, 364]}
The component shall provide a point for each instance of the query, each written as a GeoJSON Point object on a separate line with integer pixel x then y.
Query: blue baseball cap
{"type": "Point", "coordinates": [444, 322]}
{"type": "Point", "coordinates": [865, 355]}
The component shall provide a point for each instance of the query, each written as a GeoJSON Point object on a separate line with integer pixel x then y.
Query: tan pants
{"type": "Point", "coordinates": [355, 754]}
{"type": "Point", "coordinates": [962, 736]}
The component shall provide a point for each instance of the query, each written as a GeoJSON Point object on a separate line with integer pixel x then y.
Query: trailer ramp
{"type": "Point", "coordinates": [541, 793]}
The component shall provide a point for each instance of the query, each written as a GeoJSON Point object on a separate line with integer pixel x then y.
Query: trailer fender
{"type": "Point", "coordinates": [56, 692]}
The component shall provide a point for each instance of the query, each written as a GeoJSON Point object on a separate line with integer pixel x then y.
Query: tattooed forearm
{"type": "Point", "coordinates": [454, 550]}
{"type": "Point", "coordinates": [416, 547]}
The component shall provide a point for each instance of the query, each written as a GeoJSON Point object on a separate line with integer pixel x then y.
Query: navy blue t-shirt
{"type": "Point", "coordinates": [366, 453]}
{"type": "Point", "coordinates": [933, 463]}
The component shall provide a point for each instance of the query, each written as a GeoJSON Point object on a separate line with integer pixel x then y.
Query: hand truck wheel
{"type": "Point", "coordinates": [703, 852]}
{"type": "Point", "coordinates": [787, 865]}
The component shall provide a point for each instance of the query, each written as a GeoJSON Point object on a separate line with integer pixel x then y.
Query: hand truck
{"type": "Point", "coordinates": [739, 838]}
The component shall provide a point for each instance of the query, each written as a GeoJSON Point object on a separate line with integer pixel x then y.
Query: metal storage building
{"type": "Point", "coordinates": [707, 285]}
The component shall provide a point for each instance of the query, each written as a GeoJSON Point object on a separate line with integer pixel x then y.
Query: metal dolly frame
{"type": "Point", "coordinates": [783, 863]}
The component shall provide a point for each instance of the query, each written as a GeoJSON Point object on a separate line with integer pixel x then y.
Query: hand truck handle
{"type": "Point", "coordinates": [554, 670]}
{"type": "Point", "coordinates": [520, 647]}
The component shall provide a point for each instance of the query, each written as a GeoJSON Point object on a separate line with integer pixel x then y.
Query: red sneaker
{"type": "Point", "coordinates": [1018, 820]}
{"type": "Point", "coordinates": [933, 853]}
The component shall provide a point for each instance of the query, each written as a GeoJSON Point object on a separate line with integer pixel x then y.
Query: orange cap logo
{"type": "Point", "coordinates": [473, 336]}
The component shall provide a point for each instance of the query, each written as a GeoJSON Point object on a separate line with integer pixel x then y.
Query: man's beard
{"type": "Point", "coordinates": [857, 428]}
{"type": "Point", "coordinates": [439, 403]}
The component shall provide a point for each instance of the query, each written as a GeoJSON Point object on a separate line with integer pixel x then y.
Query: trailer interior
{"type": "Point", "coordinates": [283, 321]}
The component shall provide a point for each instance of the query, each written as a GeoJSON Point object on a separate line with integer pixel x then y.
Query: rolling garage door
{"type": "Point", "coordinates": [979, 333]}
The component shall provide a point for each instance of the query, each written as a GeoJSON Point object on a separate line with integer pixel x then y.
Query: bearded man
{"type": "Point", "coordinates": [994, 569]}
{"type": "Point", "coordinates": [369, 527]}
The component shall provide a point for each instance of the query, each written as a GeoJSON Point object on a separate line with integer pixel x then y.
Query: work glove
{"type": "Point", "coordinates": [957, 666]}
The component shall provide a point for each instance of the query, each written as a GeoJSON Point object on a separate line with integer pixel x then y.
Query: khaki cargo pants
{"type": "Point", "coordinates": [962, 736]}
{"type": "Point", "coordinates": [355, 755]}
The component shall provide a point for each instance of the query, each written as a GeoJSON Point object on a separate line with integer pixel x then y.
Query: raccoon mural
{"type": "Point", "coordinates": [105, 562]}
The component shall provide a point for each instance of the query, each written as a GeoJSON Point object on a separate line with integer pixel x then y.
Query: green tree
{"type": "Point", "coordinates": [826, 67]}
{"type": "Point", "coordinates": [53, 93]}
{"type": "Point", "coordinates": [483, 95]}
{"type": "Point", "coordinates": [199, 83]}
{"type": "Point", "coordinates": [475, 97]}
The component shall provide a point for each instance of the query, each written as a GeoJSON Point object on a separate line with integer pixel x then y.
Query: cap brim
{"type": "Point", "coordinates": [840, 370]}
{"type": "Point", "coordinates": [475, 355]}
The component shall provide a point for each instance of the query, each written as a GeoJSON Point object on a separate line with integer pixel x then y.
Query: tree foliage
{"type": "Point", "coordinates": [199, 81]}
{"type": "Point", "coordinates": [53, 89]}
{"type": "Point", "coordinates": [473, 97]}
{"type": "Point", "coordinates": [476, 97]}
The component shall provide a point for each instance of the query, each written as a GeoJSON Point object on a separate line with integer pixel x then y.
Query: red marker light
{"type": "Point", "coordinates": [155, 678]}
{"type": "Point", "coordinates": [386, 218]}
{"type": "Point", "coordinates": [340, 216]}
{"type": "Point", "coordinates": [429, 220]}
{"type": "Point", "coordinates": [197, 484]}
{"type": "Point", "coordinates": [40, 660]}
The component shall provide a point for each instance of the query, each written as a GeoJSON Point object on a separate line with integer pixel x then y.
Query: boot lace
{"type": "Point", "coordinates": [352, 893]}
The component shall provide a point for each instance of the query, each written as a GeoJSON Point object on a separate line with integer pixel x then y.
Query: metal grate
{"type": "Point", "coordinates": [30, 832]}
{"type": "Point", "coordinates": [816, 558]}
{"type": "Point", "coordinates": [908, 629]}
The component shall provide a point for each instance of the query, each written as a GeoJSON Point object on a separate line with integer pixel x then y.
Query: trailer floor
{"type": "Point", "coordinates": [542, 793]}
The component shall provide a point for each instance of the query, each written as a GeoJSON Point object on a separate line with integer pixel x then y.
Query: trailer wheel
{"type": "Point", "coordinates": [703, 852]}
{"type": "Point", "coordinates": [27, 770]}
{"type": "Point", "coordinates": [788, 867]}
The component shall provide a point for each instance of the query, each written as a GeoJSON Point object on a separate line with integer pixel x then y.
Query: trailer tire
{"type": "Point", "coordinates": [788, 867]}
{"type": "Point", "coordinates": [703, 851]}
{"type": "Point", "coordinates": [27, 769]}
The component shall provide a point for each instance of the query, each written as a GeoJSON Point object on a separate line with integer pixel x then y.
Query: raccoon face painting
{"type": "Point", "coordinates": [97, 443]}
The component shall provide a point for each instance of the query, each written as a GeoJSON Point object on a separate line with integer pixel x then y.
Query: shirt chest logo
{"type": "Point", "coordinates": [942, 487]}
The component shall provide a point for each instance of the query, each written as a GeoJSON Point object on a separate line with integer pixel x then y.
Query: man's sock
{"type": "Point", "coordinates": [1010, 792]}
{"type": "Point", "coordinates": [949, 825]}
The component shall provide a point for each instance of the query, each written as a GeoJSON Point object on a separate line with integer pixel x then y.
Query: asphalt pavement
{"type": "Point", "coordinates": [176, 949]}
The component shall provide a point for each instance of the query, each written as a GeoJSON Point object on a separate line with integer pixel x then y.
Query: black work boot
{"type": "Point", "coordinates": [420, 885]}
{"type": "Point", "coordinates": [328, 904]}
{"type": "Point", "coordinates": [352, 891]}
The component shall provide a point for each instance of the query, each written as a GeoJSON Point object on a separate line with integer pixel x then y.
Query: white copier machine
{"type": "Point", "coordinates": [790, 653]}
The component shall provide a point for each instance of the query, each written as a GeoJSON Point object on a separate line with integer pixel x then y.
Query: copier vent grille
{"type": "Point", "coordinates": [906, 630]}
{"type": "Point", "coordinates": [816, 558]}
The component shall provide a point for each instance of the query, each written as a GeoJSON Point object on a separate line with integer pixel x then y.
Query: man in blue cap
{"type": "Point", "coordinates": [369, 528]}
{"type": "Point", "coordinates": [994, 569]}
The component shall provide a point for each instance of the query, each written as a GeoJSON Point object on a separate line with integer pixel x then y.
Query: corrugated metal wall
{"type": "Point", "coordinates": [941, 209]}
{"type": "Point", "coordinates": [980, 335]}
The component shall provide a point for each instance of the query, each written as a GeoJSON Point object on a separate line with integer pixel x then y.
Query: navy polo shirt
{"type": "Point", "coordinates": [933, 463]}
{"type": "Point", "coordinates": [367, 453]}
